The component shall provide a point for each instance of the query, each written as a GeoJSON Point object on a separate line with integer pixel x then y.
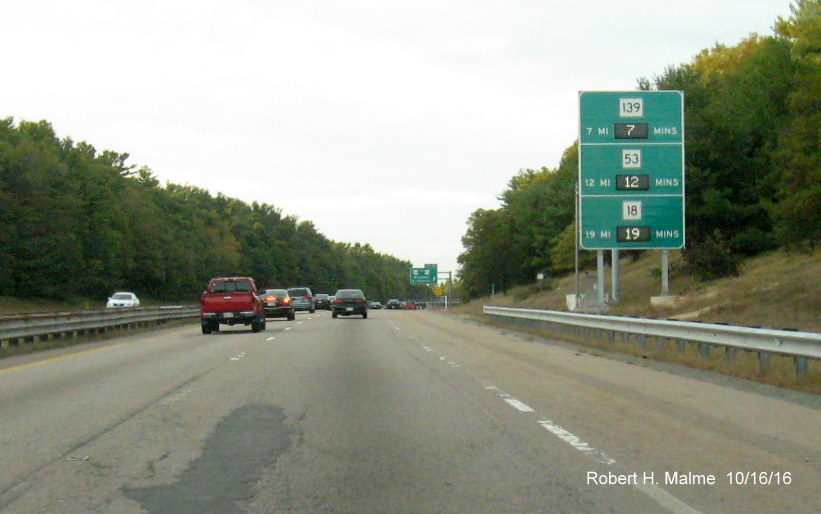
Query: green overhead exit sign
{"type": "Point", "coordinates": [426, 275]}
{"type": "Point", "coordinates": [631, 170]}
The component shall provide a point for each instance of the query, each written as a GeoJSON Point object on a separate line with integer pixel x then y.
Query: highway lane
{"type": "Point", "coordinates": [403, 412]}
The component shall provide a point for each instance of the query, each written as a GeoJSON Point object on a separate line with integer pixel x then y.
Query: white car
{"type": "Point", "coordinates": [122, 299]}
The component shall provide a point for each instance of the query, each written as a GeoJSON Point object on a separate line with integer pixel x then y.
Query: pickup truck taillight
{"type": "Point", "coordinates": [286, 300]}
{"type": "Point", "coordinates": [271, 298]}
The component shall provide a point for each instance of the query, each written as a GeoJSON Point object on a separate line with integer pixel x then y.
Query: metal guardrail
{"type": "Point", "coordinates": [799, 345]}
{"type": "Point", "coordinates": [22, 328]}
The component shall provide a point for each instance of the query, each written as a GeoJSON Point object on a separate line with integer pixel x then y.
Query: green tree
{"type": "Point", "coordinates": [798, 205]}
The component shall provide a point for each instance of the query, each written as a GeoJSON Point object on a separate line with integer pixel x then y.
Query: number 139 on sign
{"type": "Point", "coordinates": [631, 107]}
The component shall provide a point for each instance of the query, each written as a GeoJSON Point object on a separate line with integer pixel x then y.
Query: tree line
{"type": "Point", "coordinates": [78, 223]}
{"type": "Point", "coordinates": [753, 166]}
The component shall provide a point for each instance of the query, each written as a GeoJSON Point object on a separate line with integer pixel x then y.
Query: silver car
{"type": "Point", "coordinates": [123, 299]}
{"type": "Point", "coordinates": [302, 299]}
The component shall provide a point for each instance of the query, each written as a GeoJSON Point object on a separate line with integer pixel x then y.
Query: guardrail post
{"type": "Point", "coordinates": [681, 345]}
{"type": "Point", "coordinates": [661, 343]}
{"type": "Point", "coordinates": [800, 364]}
{"type": "Point", "coordinates": [763, 361]}
{"type": "Point", "coordinates": [611, 337]}
{"type": "Point", "coordinates": [642, 341]}
{"type": "Point", "coordinates": [730, 354]}
{"type": "Point", "coordinates": [704, 350]}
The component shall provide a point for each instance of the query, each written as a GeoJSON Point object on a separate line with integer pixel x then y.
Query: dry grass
{"type": "Point", "coordinates": [776, 290]}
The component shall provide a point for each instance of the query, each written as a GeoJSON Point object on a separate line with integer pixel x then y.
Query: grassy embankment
{"type": "Point", "coordinates": [776, 290]}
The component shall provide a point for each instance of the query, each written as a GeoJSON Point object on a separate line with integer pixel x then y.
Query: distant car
{"type": "Point", "coordinates": [410, 305]}
{"type": "Point", "coordinates": [350, 302]}
{"type": "Point", "coordinates": [393, 303]}
{"type": "Point", "coordinates": [278, 304]}
{"type": "Point", "coordinates": [322, 301]}
{"type": "Point", "coordinates": [123, 299]}
{"type": "Point", "coordinates": [375, 305]}
{"type": "Point", "coordinates": [302, 298]}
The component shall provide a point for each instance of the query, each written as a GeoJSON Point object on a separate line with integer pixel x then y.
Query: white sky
{"type": "Point", "coordinates": [382, 122]}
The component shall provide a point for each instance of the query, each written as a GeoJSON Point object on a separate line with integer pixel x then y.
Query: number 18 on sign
{"type": "Point", "coordinates": [631, 170]}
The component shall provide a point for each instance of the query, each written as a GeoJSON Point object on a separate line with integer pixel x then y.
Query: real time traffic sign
{"type": "Point", "coordinates": [631, 170]}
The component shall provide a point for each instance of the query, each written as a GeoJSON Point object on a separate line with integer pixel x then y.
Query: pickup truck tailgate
{"type": "Point", "coordinates": [228, 302]}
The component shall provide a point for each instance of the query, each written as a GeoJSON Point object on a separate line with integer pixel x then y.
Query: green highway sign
{"type": "Point", "coordinates": [631, 170]}
{"type": "Point", "coordinates": [426, 275]}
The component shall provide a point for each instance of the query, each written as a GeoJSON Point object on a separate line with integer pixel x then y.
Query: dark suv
{"type": "Point", "coordinates": [322, 301]}
{"type": "Point", "coordinates": [350, 302]}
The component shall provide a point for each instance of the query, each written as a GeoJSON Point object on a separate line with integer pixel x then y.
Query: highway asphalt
{"type": "Point", "coordinates": [406, 411]}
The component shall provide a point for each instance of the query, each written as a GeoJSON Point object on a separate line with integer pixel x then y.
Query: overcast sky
{"type": "Point", "coordinates": [382, 122]}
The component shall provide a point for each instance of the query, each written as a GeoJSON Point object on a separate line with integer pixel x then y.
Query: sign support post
{"type": "Point", "coordinates": [631, 174]}
{"type": "Point", "coordinates": [616, 275]}
{"type": "Point", "coordinates": [665, 273]}
{"type": "Point", "coordinates": [600, 286]}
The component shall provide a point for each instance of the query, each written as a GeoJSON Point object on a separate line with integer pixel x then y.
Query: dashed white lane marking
{"type": "Point", "coordinates": [519, 405]}
{"type": "Point", "coordinates": [270, 338]}
{"type": "Point", "coordinates": [287, 328]}
{"type": "Point", "coordinates": [666, 499]}
{"type": "Point", "coordinates": [659, 495]}
{"type": "Point", "coordinates": [575, 442]}
{"type": "Point", "coordinates": [238, 357]}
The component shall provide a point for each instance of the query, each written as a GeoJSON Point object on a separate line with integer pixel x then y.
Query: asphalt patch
{"type": "Point", "coordinates": [243, 445]}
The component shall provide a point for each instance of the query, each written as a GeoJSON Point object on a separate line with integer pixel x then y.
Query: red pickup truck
{"type": "Point", "coordinates": [231, 301]}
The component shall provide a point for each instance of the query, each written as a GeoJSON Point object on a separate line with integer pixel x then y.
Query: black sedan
{"type": "Point", "coordinates": [350, 302]}
{"type": "Point", "coordinates": [278, 304]}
